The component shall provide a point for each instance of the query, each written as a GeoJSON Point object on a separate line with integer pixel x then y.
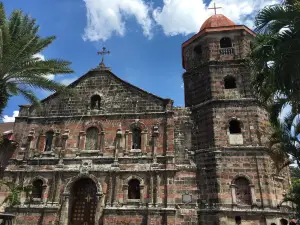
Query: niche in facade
{"type": "Point", "coordinates": [37, 189]}
{"type": "Point", "coordinates": [49, 140]}
{"type": "Point", "coordinates": [134, 189]}
{"type": "Point", "coordinates": [95, 102]}
{"type": "Point", "coordinates": [136, 138]}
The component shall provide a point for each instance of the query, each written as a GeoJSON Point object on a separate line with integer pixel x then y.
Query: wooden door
{"type": "Point", "coordinates": [84, 203]}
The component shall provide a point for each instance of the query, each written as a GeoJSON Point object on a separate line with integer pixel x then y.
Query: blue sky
{"type": "Point", "coordinates": [144, 37]}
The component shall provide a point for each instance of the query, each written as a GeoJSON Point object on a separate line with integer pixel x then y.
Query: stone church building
{"type": "Point", "coordinates": [116, 154]}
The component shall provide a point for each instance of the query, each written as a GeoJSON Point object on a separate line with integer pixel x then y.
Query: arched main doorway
{"type": "Point", "coordinates": [84, 202]}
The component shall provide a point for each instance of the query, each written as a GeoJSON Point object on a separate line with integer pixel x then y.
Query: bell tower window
{"type": "Point", "coordinates": [235, 127]}
{"type": "Point", "coordinates": [95, 102]}
{"type": "Point", "coordinates": [229, 82]}
{"type": "Point", "coordinates": [136, 138]}
{"type": "Point", "coordinates": [225, 42]}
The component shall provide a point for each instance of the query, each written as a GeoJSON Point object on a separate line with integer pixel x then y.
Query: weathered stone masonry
{"type": "Point", "coordinates": [116, 154]}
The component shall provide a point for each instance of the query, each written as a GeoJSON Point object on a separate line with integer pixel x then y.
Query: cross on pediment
{"type": "Point", "coordinates": [103, 53]}
{"type": "Point", "coordinates": [215, 8]}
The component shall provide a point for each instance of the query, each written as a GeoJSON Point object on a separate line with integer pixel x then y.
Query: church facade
{"type": "Point", "coordinates": [116, 154]}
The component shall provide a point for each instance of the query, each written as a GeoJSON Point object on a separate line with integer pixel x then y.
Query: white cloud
{"type": "Point", "coordinates": [68, 81]}
{"type": "Point", "coordinates": [187, 16]}
{"type": "Point", "coordinates": [108, 17]}
{"type": "Point", "coordinates": [7, 118]}
{"type": "Point", "coordinates": [42, 57]}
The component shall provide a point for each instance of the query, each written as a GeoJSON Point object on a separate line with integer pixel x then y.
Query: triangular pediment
{"type": "Point", "coordinates": [117, 96]}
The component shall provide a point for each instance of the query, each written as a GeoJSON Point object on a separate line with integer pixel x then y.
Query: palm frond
{"type": "Point", "coordinates": [19, 70]}
{"type": "Point", "coordinates": [2, 14]}
{"type": "Point", "coordinates": [271, 19]}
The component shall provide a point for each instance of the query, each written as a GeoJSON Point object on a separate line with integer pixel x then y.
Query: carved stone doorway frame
{"type": "Point", "coordinates": [66, 207]}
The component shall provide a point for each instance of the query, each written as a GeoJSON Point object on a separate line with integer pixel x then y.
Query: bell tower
{"type": "Point", "coordinates": [229, 136]}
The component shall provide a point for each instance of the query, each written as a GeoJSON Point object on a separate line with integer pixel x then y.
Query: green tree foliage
{"type": "Point", "coordinates": [20, 70]}
{"type": "Point", "coordinates": [294, 194]}
{"type": "Point", "coordinates": [274, 60]}
{"type": "Point", "coordinates": [295, 172]}
{"type": "Point", "coordinates": [285, 138]}
{"type": "Point", "coordinates": [275, 67]}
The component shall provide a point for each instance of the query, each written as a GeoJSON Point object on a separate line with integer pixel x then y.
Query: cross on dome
{"type": "Point", "coordinates": [215, 8]}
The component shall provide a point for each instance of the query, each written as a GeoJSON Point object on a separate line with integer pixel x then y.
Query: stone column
{"type": "Point", "coordinates": [102, 143]}
{"type": "Point", "coordinates": [129, 140]}
{"type": "Point", "coordinates": [30, 146]}
{"type": "Point", "coordinates": [56, 139]}
{"type": "Point", "coordinates": [42, 143]}
{"type": "Point", "coordinates": [151, 190]}
{"type": "Point", "coordinates": [117, 147]}
{"type": "Point", "coordinates": [253, 197]}
{"type": "Point", "coordinates": [233, 194]}
{"type": "Point", "coordinates": [45, 193]}
{"type": "Point", "coordinates": [144, 141]}
{"type": "Point", "coordinates": [142, 189]}
{"type": "Point", "coordinates": [154, 144]}
{"type": "Point", "coordinates": [125, 193]}
{"type": "Point", "coordinates": [82, 137]}
{"type": "Point", "coordinates": [64, 217]}
{"type": "Point", "coordinates": [64, 138]}
{"type": "Point", "coordinates": [58, 188]}
{"type": "Point", "coordinates": [110, 192]}
{"type": "Point", "coordinates": [98, 209]}
{"type": "Point", "coordinates": [116, 189]}
{"type": "Point", "coordinates": [157, 196]}
{"type": "Point", "coordinates": [126, 142]}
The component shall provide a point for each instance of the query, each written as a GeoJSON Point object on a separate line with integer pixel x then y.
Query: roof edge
{"type": "Point", "coordinates": [167, 100]}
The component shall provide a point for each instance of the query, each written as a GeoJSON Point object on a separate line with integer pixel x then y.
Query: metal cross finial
{"type": "Point", "coordinates": [103, 53]}
{"type": "Point", "coordinates": [215, 8]}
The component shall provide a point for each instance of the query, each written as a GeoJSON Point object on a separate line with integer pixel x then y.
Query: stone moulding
{"type": "Point", "coordinates": [141, 209]}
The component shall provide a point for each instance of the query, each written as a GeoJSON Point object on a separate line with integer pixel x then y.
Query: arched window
{"type": "Point", "coordinates": [37, 189]}
{"type": "Point", "coordinates": [198, 50]}
{"type": "Point", "coordinates": [235, 127]}
{"type": "Point", "coordinates": [95, 102]}
{"type": "Point", "coordinates": [243, 191]}
{"type": "Point", "coordinates": [229, 82]}
{"type": "Point", "coordinates": [49, 140]}
{"type": "Point", "coordinates": [134, 189]}
{"type": "Point", "coordinates": [92, 138]}
{"type": "Point", "coordinates": [225, 42]}
{"type": "Point", "coordinates": [136, 138]}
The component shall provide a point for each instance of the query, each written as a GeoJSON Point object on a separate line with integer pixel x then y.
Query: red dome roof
{"type": "Point", "coordinates": [217, 21]}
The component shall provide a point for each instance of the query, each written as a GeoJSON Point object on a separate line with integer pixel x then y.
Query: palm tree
{"type": "Point", "coordinates": [20, 69]}
{"type": "Point", "coordinates": [274, 59]}
{"type": "Point", "coordinates": [285, 142]}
